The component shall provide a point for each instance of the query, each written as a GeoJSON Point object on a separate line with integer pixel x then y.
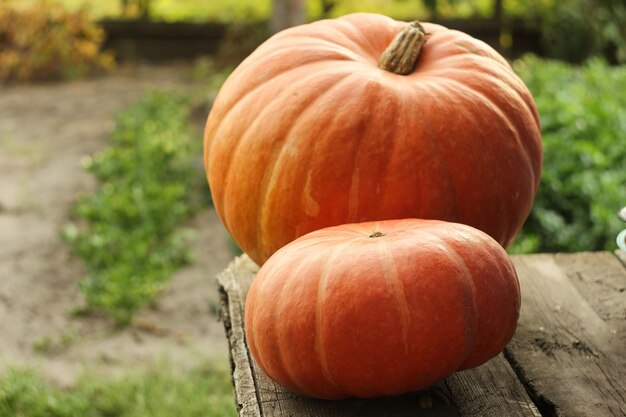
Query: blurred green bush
{"type": "Point", "coordinates": [574, 30]}
{"type": "Point", "coordinates": [583, 185]}
{"type": "Point", "coordinates": [47, 41]}
{"type": "Point", "coordinates": [128, 231]}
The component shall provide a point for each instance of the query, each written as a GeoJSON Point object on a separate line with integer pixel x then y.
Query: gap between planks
{"type": "Point", "coordinates": [569, 347]}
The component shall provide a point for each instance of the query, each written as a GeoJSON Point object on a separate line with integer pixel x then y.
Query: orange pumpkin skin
{"type": "Point", "coordinates": [338, 313]}
{"type": "Point", "coordinates": [308, 133]}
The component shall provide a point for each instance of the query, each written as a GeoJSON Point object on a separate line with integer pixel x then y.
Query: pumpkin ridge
{"type": "Point", "coordinates": [353, 189]}
{"type": "Point", "coordinates": [512, 83]}
{"type": "Point", "coordinates": [363, 40]}
{"type": "Point", "coordinates": [503, 271]}
{"type": "Point", "coordinates": [391, 140]}
{"type": "Point", "coordinates": [285, 370]}
{"type": "Point", "coordinates": [349, 54]}
{"type": "Point", "coordinates": [427, 129]}
{"type": "Point", "coordinates": [308, 243]}
{"type": "Point", "coordinates": [469, 117]}
{"type": "Point", "coordinates": [263, 83]}
{"type": "Point", "coordinates": [397, 144]}
{"type": "Point", "coordinates": [209, 137]}
{"type": "Point", "coordinates": [227, 171]}
{"type": "Point", "coordinates": [451, 253]}
{"type": "Point", "coordinates": [353, 192]}
{"type": "Point", "coordinates": [484, 58]}
{"type": "Point", "coordinates": [383, 96]}
{"type": "Point", "coordinates": [504, 85]}
{"type": "Point", "coordinates": [451, 40]}
{"type": "Point", "coordinates": [247, 135]}
{"type": "Point", "coordinates": [506, 119]}
{"type": "Point", "coordinates": [267, 185]}
{"type": "Point", "coordinates": [236, 101]}
{"type": "Point", "coordinates": [319, 308]}
{"type": "Point", "coordinates": [488, 248]}
{"type": "Point", "coordinates": [397, 290]}
{"type": "Point", "coordinates": [510, 127]}
{"type": "Point", "coordinates": [334, 27]}
{"type": "Point", "coordinates": [311, 206]}
{"type": "Point", "coordinates": [252, 312]}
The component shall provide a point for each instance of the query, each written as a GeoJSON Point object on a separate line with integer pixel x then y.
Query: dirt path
{"type": "Point", "coordinates": [45, 130]}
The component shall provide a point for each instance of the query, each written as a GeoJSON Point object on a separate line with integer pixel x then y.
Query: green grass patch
{"type": "Point", "coordinates": [583, 119]}
{"type": "Point", "coordinates": [128, 232]}
{"type": "Point", "coordinates": [160, 392]}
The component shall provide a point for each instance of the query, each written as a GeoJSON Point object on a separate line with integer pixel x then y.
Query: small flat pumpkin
{"type": "Point", "coordinates": [380, 308]}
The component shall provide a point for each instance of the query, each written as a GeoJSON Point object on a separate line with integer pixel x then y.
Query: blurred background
{"type": "Point", "coordinates": [108, 242]}
{"type": "Point", "coordinates": [571, 30]}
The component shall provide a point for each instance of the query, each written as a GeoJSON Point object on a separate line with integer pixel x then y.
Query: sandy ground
{"type": "Point", "coordinates": [44, 131]}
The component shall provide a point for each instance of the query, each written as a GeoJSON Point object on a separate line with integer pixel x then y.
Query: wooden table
{"type": "Point", "coordinates": [567, 358]}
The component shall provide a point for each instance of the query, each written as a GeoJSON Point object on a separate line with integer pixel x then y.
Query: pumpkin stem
{"type": "Point", "coordinates": [377, 234]}
{"type": "Point", "coordinates": [402, 53]}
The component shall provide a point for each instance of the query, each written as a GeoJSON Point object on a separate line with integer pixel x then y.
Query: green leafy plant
{"type": "Point", "coordinates": [47, 41]}
{"type": "Point", "coordinates": [159, 392]}
{"type": "Point", "coordinates": [583, 115]}
{"type": "Point", "coordinates": [128, 232]}
{"type": "Point", "coordinates": [52, 344]}
{"type": "Point", "coordinates": [578, 29]}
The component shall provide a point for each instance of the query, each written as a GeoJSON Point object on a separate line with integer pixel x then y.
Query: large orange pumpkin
{"type": "Point", "coordinates": [380, 308]}
{"type": "Point", "coordinates": [310, 132]}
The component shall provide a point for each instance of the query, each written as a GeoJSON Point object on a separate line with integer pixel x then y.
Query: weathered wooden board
{"type": "Point", "coordinates": [234, 283]}
{"type": "Point", "coordinates": [490, 390]}
{"type": "Point", "coordinates": [570, 345]}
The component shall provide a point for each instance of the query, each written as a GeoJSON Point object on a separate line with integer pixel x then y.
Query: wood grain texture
{"type": "Point", "coordinates": [490, 390]}
{"type": "Point", "coordinates": [570, 341]}
{"type": "Point", "coordinates": [234, 282]}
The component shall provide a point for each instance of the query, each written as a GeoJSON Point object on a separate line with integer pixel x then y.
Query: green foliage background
{"type": "Point", "coordinates": [128, 232]}
{"type": "Point", "coordinates": [583, 118]}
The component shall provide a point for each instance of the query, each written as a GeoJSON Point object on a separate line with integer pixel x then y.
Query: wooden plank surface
{"type": "Point", "coordinates": [490, 390]}
{"type": "Point", "coordinates": [234, 283]}
{"type": "Point", "coordinates": [569, 347]}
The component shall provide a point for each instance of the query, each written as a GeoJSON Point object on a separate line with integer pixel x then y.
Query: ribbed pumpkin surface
{"type": "Point", "coordinates": [341, 312]}
{"type": "Point", "coordinates": [308, 132]}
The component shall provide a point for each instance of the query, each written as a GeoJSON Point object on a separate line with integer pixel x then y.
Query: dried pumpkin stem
{"type": "Point", "coordinates": [402, 53]}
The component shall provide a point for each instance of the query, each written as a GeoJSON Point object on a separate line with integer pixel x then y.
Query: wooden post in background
{"type": "Point", "coordinates": [287, 13]}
